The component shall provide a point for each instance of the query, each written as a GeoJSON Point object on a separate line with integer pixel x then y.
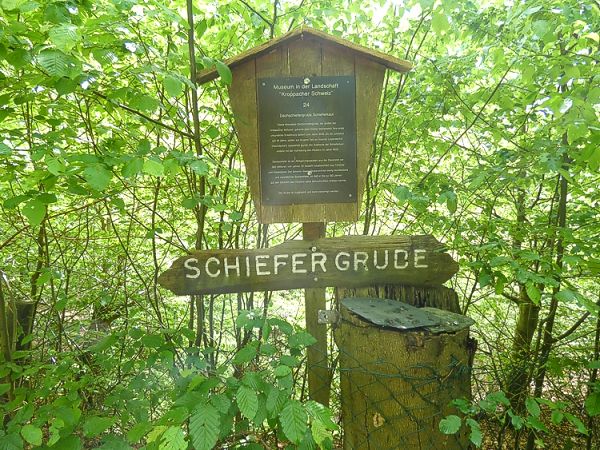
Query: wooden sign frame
{"type": "Point", "coordinates": [306, 52]}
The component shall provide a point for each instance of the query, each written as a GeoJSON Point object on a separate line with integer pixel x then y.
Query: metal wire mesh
{"type": "Point", "coordinates": [395, 387]}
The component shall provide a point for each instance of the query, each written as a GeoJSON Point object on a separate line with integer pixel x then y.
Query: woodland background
{"type": "Point", "coordinates": [112, 163]}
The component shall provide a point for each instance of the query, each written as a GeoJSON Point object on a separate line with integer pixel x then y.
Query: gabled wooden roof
{"type": "Point", "coordinates": [388, 61]}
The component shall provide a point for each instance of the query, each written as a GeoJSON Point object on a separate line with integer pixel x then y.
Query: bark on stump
{"type": "Point", "coordinates": [397, 385]}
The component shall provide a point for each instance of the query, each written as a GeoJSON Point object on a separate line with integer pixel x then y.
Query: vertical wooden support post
{"type": "Point", "coordinates": [314, 300]}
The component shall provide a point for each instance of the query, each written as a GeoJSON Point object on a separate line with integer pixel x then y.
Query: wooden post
{"type": "Point", "coordinates": [319, 378]}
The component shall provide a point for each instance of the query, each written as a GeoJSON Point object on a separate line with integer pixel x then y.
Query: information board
{"type": "Point", "coordinates": [307, 140]}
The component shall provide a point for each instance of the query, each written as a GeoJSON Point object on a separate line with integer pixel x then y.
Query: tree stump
{"type": "Point", "coordinates": [396, 385]}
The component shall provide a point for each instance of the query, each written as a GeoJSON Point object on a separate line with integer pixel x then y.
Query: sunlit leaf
{"type": "Point", "coordinates": [450, 424]}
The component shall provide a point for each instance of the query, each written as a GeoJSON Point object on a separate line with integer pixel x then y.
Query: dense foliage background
{"type": "Point", "coordinates": [112, 163]}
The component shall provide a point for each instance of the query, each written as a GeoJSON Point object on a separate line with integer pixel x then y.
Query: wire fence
{"type": "Point", "coordinates": [396, 386]}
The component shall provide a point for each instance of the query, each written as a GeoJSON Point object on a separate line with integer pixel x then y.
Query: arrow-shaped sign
{"type": "Point", "coordinates": [350, 261]}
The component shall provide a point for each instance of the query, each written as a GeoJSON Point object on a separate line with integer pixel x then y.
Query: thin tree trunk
{"type": "Point", "coordinates": [547, 337]}
{"type": "Point", "coordinates": [5, 337]}
{"type": "Point", "coordinates": [196, 301]}
{"type": "Point", "coordinates": [593, 379]}
{"type": "Point", "coordinates": [527, 321]}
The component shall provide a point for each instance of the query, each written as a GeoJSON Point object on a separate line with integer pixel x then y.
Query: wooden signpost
{"type": "Point", "coordinates": [305, 108]}
{"type": "Point", "coordinates": [350, 261]}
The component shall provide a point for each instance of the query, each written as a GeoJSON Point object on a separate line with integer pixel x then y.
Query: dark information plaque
{"type": "Point", "coordinates": [307, 140]}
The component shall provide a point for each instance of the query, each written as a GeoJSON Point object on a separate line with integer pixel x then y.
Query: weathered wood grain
{"type": "Point", "coordinates": [318, 374]}
{"type": "Point", "coordinates": [303, 32]}
{"type": "Point", "coordinates": [242, 95]}
{"type": "Point", "coordinates": [309, 54]}
{"type": "Point", "coordinates": [369, 83]}
{"type": "Point", "coordinates": [351, 261]}
{"type": "Point", "coordinates": [396, 385]}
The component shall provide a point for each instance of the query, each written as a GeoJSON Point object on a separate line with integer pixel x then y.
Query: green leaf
{"type": "Point", "coordinates": [54, 62]}
{"type": "Point", "coordinates": [204, 427]}
{"type": "Point", "coordinates": [293, 420]}
{"type": "Point", "coordinates": [32, 434]}
{"type": "Point", "coordinates": [4, 388]}
{"type": "Point", "coordinates": [97, 176]}
{"type": "Point", "coordinates": [592, 404]}
{"type": "Point", "coordinates": [536, 423]}
{"type": "Point", "coordinates": [103, 344]}
{"type": "Point", "coordinates": [402, 193]}
{"type": "Point", "coordinates": [247, 401]}
{"type": "Point", "coordinates": [532, 407]}
{"type": "Point", "coordinates": [156, 433]}
{"type": "Point", "coordinates": [154, 168]}
{"type": "Point", "coordinates": [95, 425]}
{"type": "Point", "coordinates": [540, 28]}
{"type": "Point", "coordinates": [190, 203]}
{"type": "Point", "coordinates": [301, 339]}
{"type": "Point", "coordinates": [282, 371]}
{"type": "Point", "coordinates": [579, 425]}
{"type": "Point", "coordinates": [321, 422]}
{"type": "Point", "coordinates": [212, 132]}
{"type": "Point", "coordinates": [18, 58]}
{"type": "Point", "coordinates": [5, 150]}
{"type": "Point", "coordinates": [476, 437]}
{"type": "Point", "coordinates": [308, 442]}
{"type": "Point", "coordinates": [245, 354]}
{"type": "Point", "coordinates": [576, 130]}
{"type": "Point", "coordinates": [114, 442]}
{"type": "Point", "coordinates": [516, 421]}
{"type": "Point", "coordinates": [35, 211]}
{"type": "Point", "coordinates": [566, 295]}
{"type": "Point", "coordinates": [144, 103]}
{"type": "Point", "coordinates": [200, 167]}
{"type": "Point", "coordinates": [65, 86]}
{"type": "Point", "coordinates": [221, 402]}
{"type": "Point", "coordinates": [13, 202]}
{"type": "Point", "coordinates": [11, 5]}
{"type": "Point", "coordinates": [533, 293]}
{"type": "Point", "coordinates": [276, 400]}
{"type": "Point", "coordinates": [138, 431]}
{"type": "Point", "coordinates": [47, 198]}
{"type": "Point", "coordinates": [64, 36]}
{"type": "Point", "coordinates": [224, 72]}
{"type": "Point", "coordinates": [439, 23]}
{"type": "Point", "coordinates": [11, 442]}
{"type": "Point", "coordinates": [155, 340]}
{"type": "Point", "coordinates": [173, 86]}
{"type": "Point", "coordinates": [450, 424]}
{"type": "Point", "coordinates": [201, 27]}
{"type": "Point", "coordinates": [283, 326]}
{"type": "Point", "coordinates": [484, 279]}
{"type": "Point", "coordinates": [55, 166]}
{"type": "Point", "coordinates": [70, 442]}
{"type": "Point", "coordinates": [451, 201]}
{"type": "Point", "coordinates": [557, 417]}
{"type": "Point", "coordinates": [132, 167]}
{"type": "Point", "coordinates": [173, 439]}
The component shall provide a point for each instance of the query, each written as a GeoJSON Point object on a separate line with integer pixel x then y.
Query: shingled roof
{"type": "Point", "coordinates": [388, 61]}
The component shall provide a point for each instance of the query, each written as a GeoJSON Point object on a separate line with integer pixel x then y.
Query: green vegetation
{"type": "Point", "coordinates": [112, 163]}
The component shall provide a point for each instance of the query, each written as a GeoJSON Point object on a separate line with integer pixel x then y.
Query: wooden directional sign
{"type": "Point", "coordinates": [350, 261]}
